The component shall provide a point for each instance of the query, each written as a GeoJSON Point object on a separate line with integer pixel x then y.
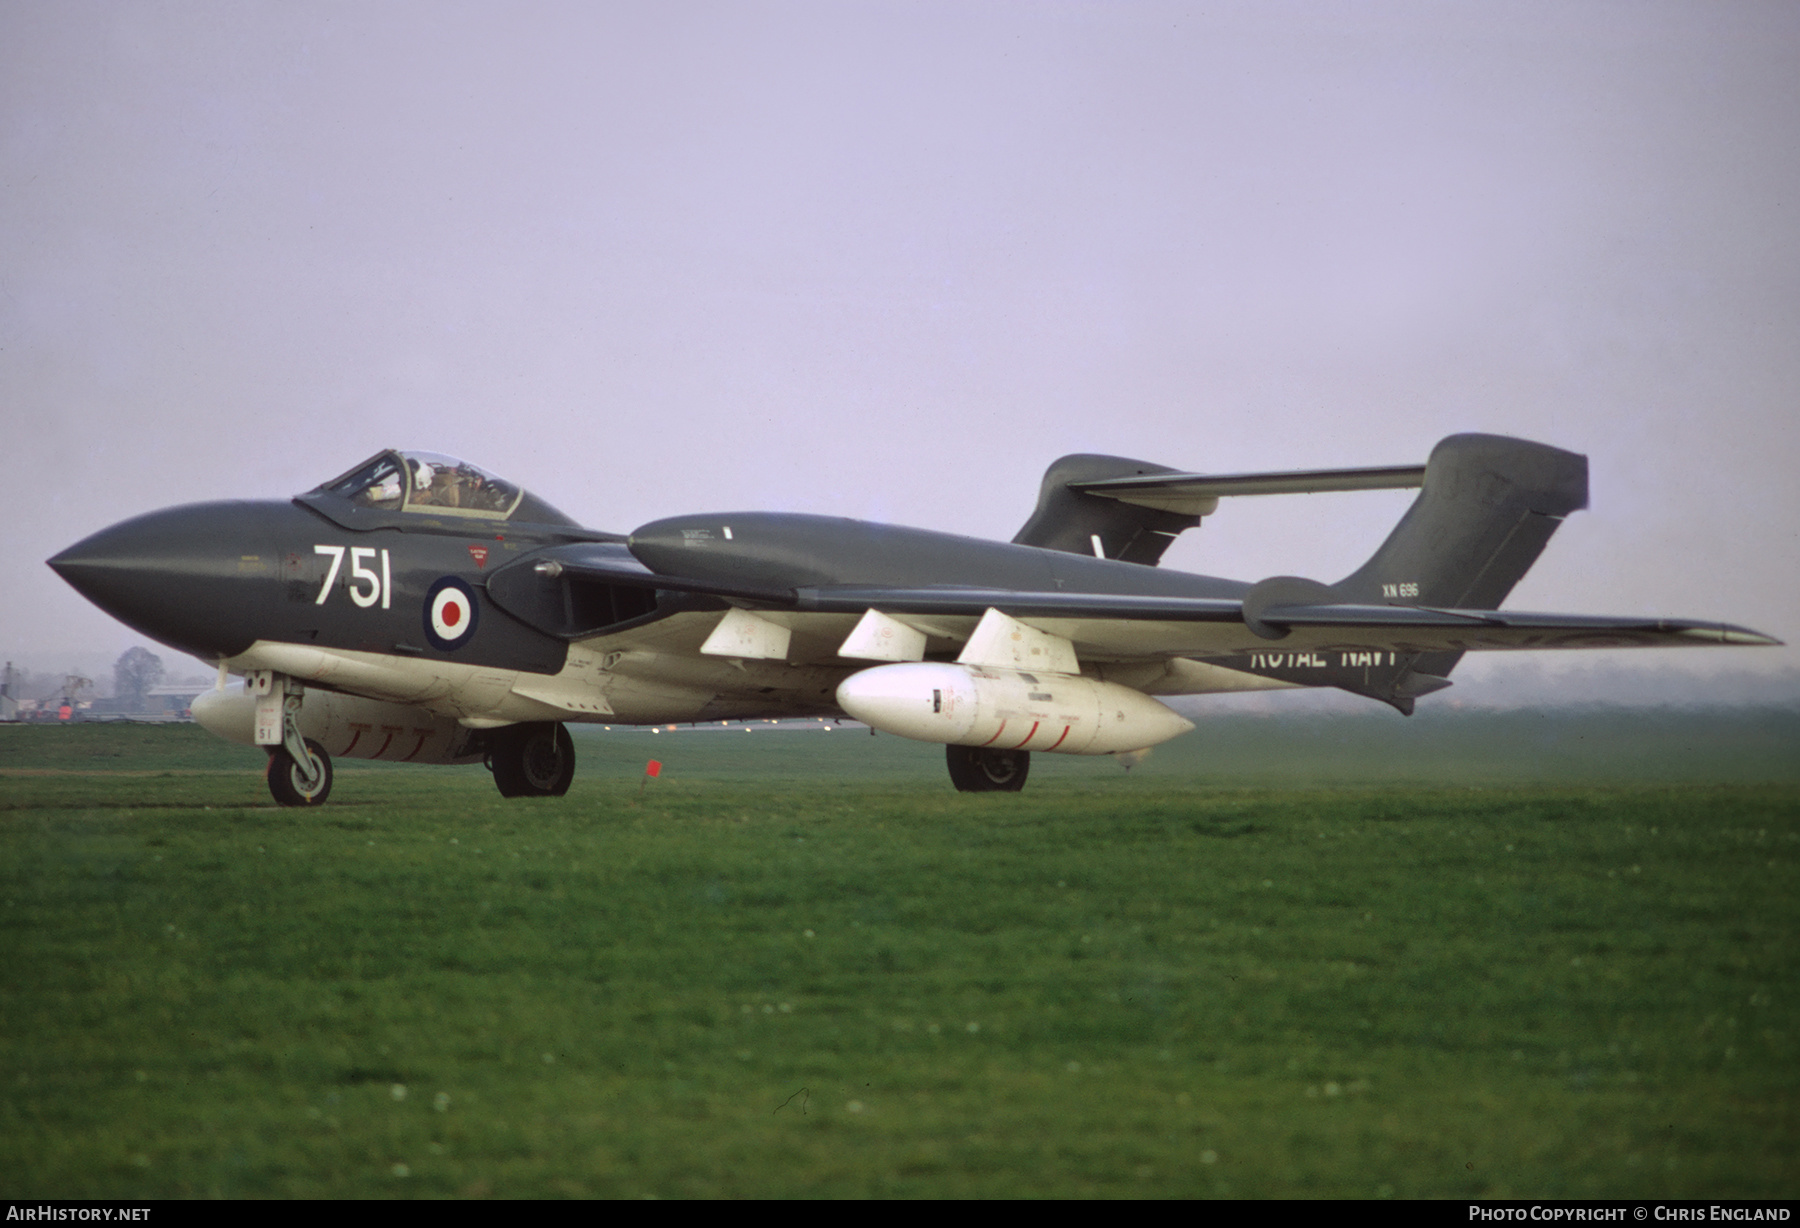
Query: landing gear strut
{"type": "Point", "coordinates": [979, 769]}
{"type": "Point", "coordinates": [532, 760]}
{"type": "Point", "coordinates": [299, 768]}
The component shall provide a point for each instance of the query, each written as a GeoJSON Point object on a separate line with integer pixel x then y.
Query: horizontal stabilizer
{"type": "Point", "coordinates": [1198, 494]}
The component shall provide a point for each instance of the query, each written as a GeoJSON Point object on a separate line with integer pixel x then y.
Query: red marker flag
{"type": "Point", "coordinates": [653, 768]}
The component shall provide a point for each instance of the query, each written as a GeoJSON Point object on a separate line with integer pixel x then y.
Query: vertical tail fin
{"type": "Point", "coordinates": [1078, 523]}
{"type": "Point", "coordinates": [1487, 509]}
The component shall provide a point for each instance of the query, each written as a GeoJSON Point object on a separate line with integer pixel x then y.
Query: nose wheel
{"type": "Point", "coordinates": [532, 760]}
{"type": "Point", "coordinates": [292, 785]}
{"type": "Point", "coordinates": [981, 769]}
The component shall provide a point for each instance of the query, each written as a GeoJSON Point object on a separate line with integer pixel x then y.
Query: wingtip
{"type": "Point", "coordinates": [1738, 636]}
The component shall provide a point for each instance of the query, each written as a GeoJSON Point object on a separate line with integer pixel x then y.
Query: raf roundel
{"type": "Point", "coordinates": [450, 613]}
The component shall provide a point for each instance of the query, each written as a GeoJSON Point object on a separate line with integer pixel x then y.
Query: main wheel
{"type": "Point", "coordinates": [533, 760]}
{"type": "Point", "coordinates": [286, 785]}
{"type": "Point", "coordinates": [978, 769]}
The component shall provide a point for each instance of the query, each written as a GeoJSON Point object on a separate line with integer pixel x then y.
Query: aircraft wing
{"type": "Point", "coordinates": [1125, 627]}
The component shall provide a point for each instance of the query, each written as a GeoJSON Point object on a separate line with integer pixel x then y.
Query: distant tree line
{"type": "Point", "coordinates": [134, 673]}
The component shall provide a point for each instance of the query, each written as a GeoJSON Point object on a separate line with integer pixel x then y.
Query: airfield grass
{"type": "Point", "coordinates": [1287, 960]}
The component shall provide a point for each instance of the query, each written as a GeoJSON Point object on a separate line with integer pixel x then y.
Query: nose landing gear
{"type": "Point", "coordinates": [299, 769]}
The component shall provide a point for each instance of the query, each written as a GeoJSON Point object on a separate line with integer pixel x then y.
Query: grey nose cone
{"type": "Point", "coordinates": [116, 567]}
{"type": "Point", "coordinates": [195, 578]}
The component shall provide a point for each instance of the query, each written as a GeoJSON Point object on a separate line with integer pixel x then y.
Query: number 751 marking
{"type": "Point", "coordinates": [381, 587]}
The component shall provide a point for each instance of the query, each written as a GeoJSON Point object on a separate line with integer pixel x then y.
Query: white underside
{"type": "Point", "coordinates": [640, 686]}
{"type": "Point", "coordinates": [661, 675]}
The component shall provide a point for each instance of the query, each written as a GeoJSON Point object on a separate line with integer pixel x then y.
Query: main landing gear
{"type": "Point", "coordinates": [980, 769]}
{"type": "Point", "coordinates": [532, 760]}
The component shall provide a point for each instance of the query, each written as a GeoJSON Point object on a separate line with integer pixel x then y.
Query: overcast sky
{"type": "Point", "coordinates": [890, 260]}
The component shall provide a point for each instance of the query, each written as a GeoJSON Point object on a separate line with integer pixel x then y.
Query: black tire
{"type": "Point", "coordinates": [533, 760]}
{"type": "Point", "coordinates": [285, 785]}
{"type": "Point", "coordinates": [979, 769]}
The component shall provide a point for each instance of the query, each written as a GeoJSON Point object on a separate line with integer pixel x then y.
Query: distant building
{"type": "Point", "coordinates": [167, 702]}
{"type": "Point", "coordinates": [173, 701]}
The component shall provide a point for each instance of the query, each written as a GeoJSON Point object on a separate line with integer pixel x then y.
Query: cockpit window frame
{"type": "Point", "coordinates": [336, 486]}
{"type": "Point", "coordinates": [440, 498]}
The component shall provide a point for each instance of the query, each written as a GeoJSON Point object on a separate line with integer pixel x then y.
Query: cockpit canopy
{"type": "Point", "coordinates": [439, 485]}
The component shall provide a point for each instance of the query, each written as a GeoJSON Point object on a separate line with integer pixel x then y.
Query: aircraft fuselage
{"type": "Point", "coordinates": [439, 613]}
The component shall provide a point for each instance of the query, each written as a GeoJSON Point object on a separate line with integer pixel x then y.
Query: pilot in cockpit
{"type": "Point", "coordinates": [407, 481]}
{"type": "Point", "coordinates": [435, 485]}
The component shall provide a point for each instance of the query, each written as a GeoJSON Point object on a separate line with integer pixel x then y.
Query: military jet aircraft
{"type": "Point", "coordinates": [423, 610]}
